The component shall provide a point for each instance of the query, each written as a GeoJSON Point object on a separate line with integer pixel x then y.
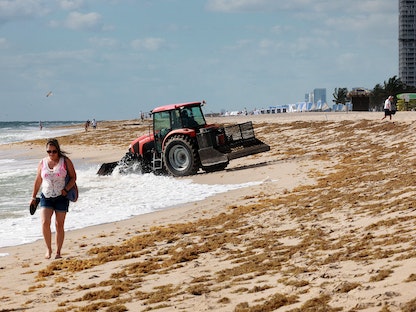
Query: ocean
{"type": "Point", "coordinates": [102, 199]}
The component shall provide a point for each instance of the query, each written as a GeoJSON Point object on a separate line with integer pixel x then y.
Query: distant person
{"type": "Point", "coordinates": [94, 124]}
{"type": "Point", "coordinates": [50, 178]}
{"type": "Point", "coordinates": [87, 125]}
{"type": "Point", "coordinates": [388, 105]}
{"type": "Point", "coordinates": [40, 125]}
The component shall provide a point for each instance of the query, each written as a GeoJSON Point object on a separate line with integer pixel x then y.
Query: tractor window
{"type": "Point", "coordinates": [192, 117]}
{"type": "Point", "coordinates": [176, 120]}
{"type": "Point", "coordinates": [161, 120]}
{"type": "Point", "coordinates": [161, 127]}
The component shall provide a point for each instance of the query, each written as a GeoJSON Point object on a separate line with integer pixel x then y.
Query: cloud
{"type": "Point", "coordinates": [103, 42]}
{"type": "Point", "coordinates": [280, 29]}
{"type": "Point", "coordinates": [21, 9]}
{"type": "Point", "coordinates": [361, 22]}
{"type": "Point", "coordinates": [71, 5]}
{"type": "Point", "coordinates": [310, 6]}
{"type": "Point", "coordinates": [3, 43]}
{"type": "Point", "coordinates": [331, 24]}
{"type": "Point", "coordinates": [79, 21]}
{"type": "Point", "coordinates": [238, 5]}
{"type": "Point", "coordinates": [78, 55]}
{"type": "Point", "coordinates": [150, 44]}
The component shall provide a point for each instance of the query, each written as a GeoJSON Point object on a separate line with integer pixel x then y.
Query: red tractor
{"type": "Point", "coordinates": [182, 142]}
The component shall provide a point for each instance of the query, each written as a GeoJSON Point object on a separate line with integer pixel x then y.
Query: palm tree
{"type": "Point", "coordinates": [392, 86]}
{"type": "Point", "coordinates": [340, 95]}
{"type": "Point", "coordinates": [377, 97]}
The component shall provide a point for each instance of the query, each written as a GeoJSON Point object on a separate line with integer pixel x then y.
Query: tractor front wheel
{"type": "Point", "coordinates": [181, 156]}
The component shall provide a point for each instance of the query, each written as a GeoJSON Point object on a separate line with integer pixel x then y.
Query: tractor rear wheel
{"type": "Point", "coordinates": [181, 156]}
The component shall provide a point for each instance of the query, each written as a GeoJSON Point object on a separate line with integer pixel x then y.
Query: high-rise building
{"type": "Point", "coordinates": [407, 42]}
{"type": "Point", "coordinates": [319, 95]}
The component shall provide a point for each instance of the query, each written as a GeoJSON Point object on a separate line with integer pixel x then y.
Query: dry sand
{"type": "Point", "coordinates": [332, 228]}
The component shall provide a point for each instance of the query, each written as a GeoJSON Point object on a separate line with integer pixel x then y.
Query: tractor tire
{"type": "Point", "coordinates": [146, 166]}
{"type": "Point", "coordinates": [129, 164]}
{"type": "Point", "coordinates": [181, 156]}
{"type": "Point", "coordinates": [146, 158]}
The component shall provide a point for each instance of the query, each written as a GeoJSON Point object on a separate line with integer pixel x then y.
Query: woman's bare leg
{"type": "Point", "coordinates": [46, 215]}
{"type": "Point", "coordinates": [60, 232]}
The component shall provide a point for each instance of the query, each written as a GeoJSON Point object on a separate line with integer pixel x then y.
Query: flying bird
{"type": "Point", "coordinates": [49, 94]}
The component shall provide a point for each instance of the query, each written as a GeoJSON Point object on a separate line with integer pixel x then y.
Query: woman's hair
{"type": "Point", "coordinates": [54, 142]}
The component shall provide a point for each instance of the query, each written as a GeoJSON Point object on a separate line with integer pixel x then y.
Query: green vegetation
{"type": "Point", "coordinates": [379, 93]}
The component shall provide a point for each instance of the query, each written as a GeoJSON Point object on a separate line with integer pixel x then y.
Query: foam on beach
{"type": "Point", "coordinates": [103, 199]}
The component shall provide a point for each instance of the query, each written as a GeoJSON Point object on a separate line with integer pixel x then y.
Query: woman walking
{"type": "Point", "coordinates": [51, 173]}
{"type": "Point", "coordinates": [388, 105]}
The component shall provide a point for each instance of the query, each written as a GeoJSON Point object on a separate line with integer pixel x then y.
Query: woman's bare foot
{"type": "Point", "coordinates": [48, 254]}
{"type": "Point", "coordinates": [58, 256]}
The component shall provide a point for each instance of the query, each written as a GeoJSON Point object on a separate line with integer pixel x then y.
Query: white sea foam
{"type": "Point", "coordinates": [102, 199]}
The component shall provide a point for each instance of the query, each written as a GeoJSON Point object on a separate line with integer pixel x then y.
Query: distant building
{"type": "Point", "coordinates": [360, 99]}
{"type": "Point", "coordinates": [407, 42]}
{"type": "Point", "coordinates": [319, 95]}
{"type": "Point", "coordinates": [309, 97]}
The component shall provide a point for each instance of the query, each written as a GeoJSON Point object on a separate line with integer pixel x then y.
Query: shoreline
{"type": "Point", "coordinates": [323, 230]}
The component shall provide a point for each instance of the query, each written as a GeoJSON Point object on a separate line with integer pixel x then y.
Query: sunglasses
{"type": "Point", "coordinates": [52, 152]}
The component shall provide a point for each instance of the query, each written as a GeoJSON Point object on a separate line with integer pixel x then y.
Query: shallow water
{"type": "Point", "coordinates": [19, 131]}
{"type": "Point", "coordinates": [102, 199]}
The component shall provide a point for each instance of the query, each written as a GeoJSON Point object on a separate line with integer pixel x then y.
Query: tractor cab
{"type": "Point", "coordinates": [192, 117]}
{"type": "Point", "coordinates": [187, 117]}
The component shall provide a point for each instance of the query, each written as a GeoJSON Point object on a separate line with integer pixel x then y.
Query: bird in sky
{"type": "Point", "coordinates": [49, 94]}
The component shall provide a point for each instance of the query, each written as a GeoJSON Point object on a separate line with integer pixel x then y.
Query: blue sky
{"type": "Point", "coordinates": [111, 59]}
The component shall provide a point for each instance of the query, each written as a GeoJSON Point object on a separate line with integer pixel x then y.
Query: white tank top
{"type": "Point", "coordinates": [53, 180]}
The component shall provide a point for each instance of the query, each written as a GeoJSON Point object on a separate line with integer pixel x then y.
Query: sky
{"type": "Point", "coordinates": [112, 59]}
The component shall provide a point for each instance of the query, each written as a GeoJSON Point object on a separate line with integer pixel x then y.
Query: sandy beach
{"type": "Point", "coordinates": [332, 227]}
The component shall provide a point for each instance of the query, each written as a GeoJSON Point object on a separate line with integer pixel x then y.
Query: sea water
{"type": "Point", "coordinates": [102, 199]}
{"type": "Point", "coordinates": [18, 131]}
